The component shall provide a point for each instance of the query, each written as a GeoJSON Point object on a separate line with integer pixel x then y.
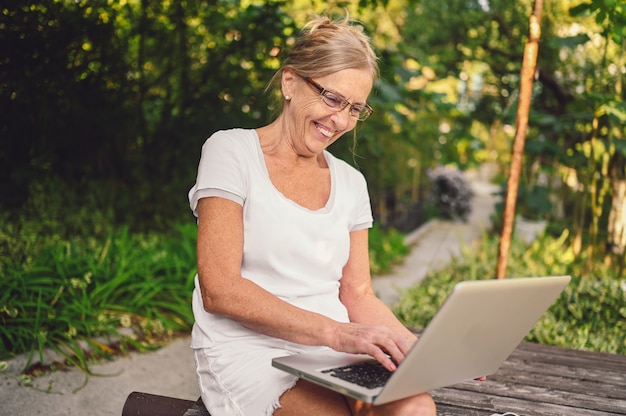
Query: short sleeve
{"type": "Point", "coordinates": [363, 217]}
{"type": "Point", "coordinates": [352, 193]}
{"type": "Point", "coordinates": [220, 171]}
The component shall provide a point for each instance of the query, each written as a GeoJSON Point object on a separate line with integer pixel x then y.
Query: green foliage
{"type": "Point", "coordinates": [589, 314]}
{"type": "Point", "coordinates": [72, 293]}
{"type": "Point", "coordinates": [106, 292]}
{"type": "Point", "coordinates": [533, 203]}
{"type": "Point", "coordinates": [126, 92]}
{"type": "Point", "coordinates": [386, 248]}
{"type": "Point", "coordinates": [450, 193]}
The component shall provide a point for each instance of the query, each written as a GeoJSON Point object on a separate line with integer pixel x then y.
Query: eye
{"type": "Point", "coordinates": [334, 100]}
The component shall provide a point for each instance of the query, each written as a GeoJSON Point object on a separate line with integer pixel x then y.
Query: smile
{"type": "Point", "coordinates": [323, 130]}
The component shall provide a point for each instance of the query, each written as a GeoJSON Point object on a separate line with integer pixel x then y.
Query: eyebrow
{"type": "Point", "coordinates": [317, 85]}
{"type": "Point", "coordinates": [361, 104]}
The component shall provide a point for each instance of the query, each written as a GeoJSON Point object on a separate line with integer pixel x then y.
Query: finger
{"type": "Point", "coordinates": [384, 359]}
{"type": "Point", "coordinates": [405, 344]}
{"type": "Point", "coordinates": [393, 351]}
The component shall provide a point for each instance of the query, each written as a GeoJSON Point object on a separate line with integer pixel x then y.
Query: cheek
{"type": "Point", "coordinates": [305, 113]}
{"type": "Point", "coordinates": [311, 109]}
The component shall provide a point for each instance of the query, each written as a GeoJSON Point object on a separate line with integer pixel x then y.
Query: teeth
{"type": "Point", "coordinates": [325, 132]}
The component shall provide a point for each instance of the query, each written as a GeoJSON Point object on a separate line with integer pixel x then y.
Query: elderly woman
{"type": "Point", "coordinates": [283, 242]}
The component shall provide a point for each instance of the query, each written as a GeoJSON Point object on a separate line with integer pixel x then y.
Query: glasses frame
{"type": "Point", "coordinates": [337, 102]}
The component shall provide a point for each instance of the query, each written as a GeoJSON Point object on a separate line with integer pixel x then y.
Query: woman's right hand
{"type": "Point", "coordinates": [377, 341]}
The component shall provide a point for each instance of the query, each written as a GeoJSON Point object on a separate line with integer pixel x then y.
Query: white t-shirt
{"type": "Point", "coordinates": [293, 252]}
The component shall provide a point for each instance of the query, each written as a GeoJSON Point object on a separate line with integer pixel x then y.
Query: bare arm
{"type": "Point", "coordinates": [363, 305]}
{"type": "Point", "coordinates": [225, 292]}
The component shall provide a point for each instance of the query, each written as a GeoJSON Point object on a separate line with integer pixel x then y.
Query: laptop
{"type": "Point", "coordinates": [473, 333]}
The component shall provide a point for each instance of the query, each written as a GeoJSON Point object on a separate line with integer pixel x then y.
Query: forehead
{"type": "Point", "coordinates": [353, 84]}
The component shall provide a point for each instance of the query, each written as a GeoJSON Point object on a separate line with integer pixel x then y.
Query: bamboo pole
{"type": "Point", "coordinates": [529, 65]}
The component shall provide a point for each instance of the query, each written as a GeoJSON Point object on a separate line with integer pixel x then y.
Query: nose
{"type": "Point", "coordinates": [342, 119]}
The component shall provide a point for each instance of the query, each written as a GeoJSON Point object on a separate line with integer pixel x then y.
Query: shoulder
{"type": "Point", "coordinates": [344, 171]}
{"type": "Point", "coordinates": [238, 144]}
{"type": "Point", "coordinates": [232, 137]}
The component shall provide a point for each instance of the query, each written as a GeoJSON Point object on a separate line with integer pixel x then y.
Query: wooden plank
{"type": "Point", "coordinates": [450, 410]}
{"type": "Point", "coordinates": [592, 387]}
{"type": "Point", "coordinates": [145, 404]}
{"type": "Point", "coordinates": [453, 402]}
{"type": "Point", "coordinates": [546, 395]}
{"type": "Point", "coordinates": [571, 357]}
{"type": "Point", "coordinates": [583, 378]}
{"type": "Point", "coordinates": [197, 409]}
{"type": "Point", "coordinates": [546, 381]}
{"type": "Point", "coordinates": [572, 369]}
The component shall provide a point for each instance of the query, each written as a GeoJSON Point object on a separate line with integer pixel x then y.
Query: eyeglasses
{"type": "Point", "coordinates": [337, 102]}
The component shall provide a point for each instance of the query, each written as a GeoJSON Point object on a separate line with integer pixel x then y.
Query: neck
{"type": "Point", "coordinates": [277, 142]}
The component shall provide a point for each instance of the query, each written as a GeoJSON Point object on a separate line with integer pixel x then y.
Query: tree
{"type": "Point", "coordinates": [529, 65]}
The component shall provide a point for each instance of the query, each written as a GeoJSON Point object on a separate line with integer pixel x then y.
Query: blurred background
{"type": "Point", "coordinates": [104, 105]}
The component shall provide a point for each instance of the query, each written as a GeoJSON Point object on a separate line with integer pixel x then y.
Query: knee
{"type": "Point", "coordinates": [420, 405]}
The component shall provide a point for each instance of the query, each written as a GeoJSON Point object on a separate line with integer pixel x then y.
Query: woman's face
{"type": "Point", "coordinates": [312, 124]}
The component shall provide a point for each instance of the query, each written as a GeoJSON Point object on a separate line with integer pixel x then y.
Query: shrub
{"type": "Point", "coordinates": [72, 292]}
{"type": "Point", "coordinates": [589, 314]}
{"type": "Point", "coordinates": [450, 193]}
{"type": "Point", "coordinates": [386, 248]}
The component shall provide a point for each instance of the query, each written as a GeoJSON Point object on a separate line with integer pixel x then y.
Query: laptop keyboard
{"type": "Point", "coordinates": [369, 374]}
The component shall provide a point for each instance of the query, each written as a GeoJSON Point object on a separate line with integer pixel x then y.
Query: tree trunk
{"type": "Point", "coordinates": [617, 215]}
{"type": "Point", "coordinates": [529, 65]}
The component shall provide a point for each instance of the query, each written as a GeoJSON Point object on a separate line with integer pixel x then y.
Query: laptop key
{"type": "Point", "coordinates": [369, 374]}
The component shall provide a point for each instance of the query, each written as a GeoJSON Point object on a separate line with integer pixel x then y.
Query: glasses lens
{"type": "Point", "coordinates": [337, 102]}
{"type": "Point", "coordinates": [361, 113]}
{"type": "Point", "coordinates": [334, 101]}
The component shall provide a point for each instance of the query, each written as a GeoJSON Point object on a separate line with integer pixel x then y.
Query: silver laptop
{"type": "Point", "coordinates": [472, 334]}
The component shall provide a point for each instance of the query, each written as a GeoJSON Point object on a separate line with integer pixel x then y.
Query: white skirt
{"type": "Point", "coordinates": [237, 378]}
{"type": "Point", "coordinates": [234, 364]}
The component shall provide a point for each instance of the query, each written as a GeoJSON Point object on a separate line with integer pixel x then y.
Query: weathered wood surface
{"type": "Point", "coordinates": [539, 380]}
{"type": "Point", "coordinates": [536, 380]}
{"type": "Point", "coordinates": [146, 404]}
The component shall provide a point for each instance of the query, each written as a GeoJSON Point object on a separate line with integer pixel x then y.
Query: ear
{"type": "Point", "coordinates": [287, 82]}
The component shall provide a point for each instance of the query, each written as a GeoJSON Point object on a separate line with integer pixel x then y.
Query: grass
{"type": "Point", "coordinates": [82, 294]}
{"type": "Point", "coordinates": [386, 249]}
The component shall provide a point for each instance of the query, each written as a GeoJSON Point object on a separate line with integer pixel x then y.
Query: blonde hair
{"type": "Point", "coordinates": [326, 46]}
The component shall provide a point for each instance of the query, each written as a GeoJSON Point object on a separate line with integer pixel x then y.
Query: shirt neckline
{"type": "Point", "coordinates": [331, 167]}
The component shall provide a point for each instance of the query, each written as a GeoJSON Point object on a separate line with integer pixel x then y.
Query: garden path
{"type": "Point", "coordinates": [435, 243]}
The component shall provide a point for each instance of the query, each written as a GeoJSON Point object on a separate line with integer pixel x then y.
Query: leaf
{"type": "Point", "coordinates": [570, 41]}
{"type": "Point", "coordinates": [620, 146]}
{"type": "Point", "coordinates": [613, 110]}
{"type": "Point", "coordinates": [580, 9]}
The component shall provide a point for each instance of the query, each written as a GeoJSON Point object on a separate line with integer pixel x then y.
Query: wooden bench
{"type": "Point", "coordinates": [145, 404]}
{"type": "Point", "coordinates": [536, 380]}
{"type": "Point", "coordinates": [541, 380]}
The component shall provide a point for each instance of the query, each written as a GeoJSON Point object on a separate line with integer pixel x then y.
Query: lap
{"type": "Point", "coordinates": [307, 398]}
{"type": "Point", "coordinates": [237, 379]}
{"type": "Point", "coordinates": [420, 405]}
